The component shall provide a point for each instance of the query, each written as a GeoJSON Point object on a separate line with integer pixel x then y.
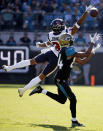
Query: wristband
{"type": "Point", "coordinates": [78, 26]}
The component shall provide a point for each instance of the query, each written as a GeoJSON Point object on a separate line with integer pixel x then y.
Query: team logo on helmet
{"type": "Point", "coordinates": [65, 40]}
{"type": "Point", "coordinates": [57, 25]}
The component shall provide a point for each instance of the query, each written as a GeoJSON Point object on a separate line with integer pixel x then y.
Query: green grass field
{"type": "Point", "coordinates": [40, 113]}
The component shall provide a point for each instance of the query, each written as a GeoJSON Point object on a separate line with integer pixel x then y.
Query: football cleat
{"type": "Point", "coordinates": [76, 123]}
{"type": "Point", "coordinates": [38, 89]}
{"type": "Point", "coordinates": [6, 68]}
{"type": "Point", "coordinates": [20, 91]}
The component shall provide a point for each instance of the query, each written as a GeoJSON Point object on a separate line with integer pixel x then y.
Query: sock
{"type": "Point", "coordinates": [32, 83]}
{"type": "Point", "coordinates": [74, 119]}
{"type": "Point", "coordinates": [44, 92]}
{"type": "Point", "coordinates": [20, 64]}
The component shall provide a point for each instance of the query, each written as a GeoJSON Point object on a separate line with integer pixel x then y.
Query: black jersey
{"type": "Point", "coordinates": [64, 72]}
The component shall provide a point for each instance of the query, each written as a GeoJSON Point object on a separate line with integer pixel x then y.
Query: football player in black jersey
{"type": "Point", "coordinates": [67, 57]}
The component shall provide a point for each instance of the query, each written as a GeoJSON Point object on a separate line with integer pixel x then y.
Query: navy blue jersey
{"type": "Point", "coordinates": [64, 72]}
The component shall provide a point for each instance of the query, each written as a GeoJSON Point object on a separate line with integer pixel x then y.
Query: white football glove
{"type": "Point", "coordinates": [88, 8]}
{"type": "Point", "coordinates": [38, 44]}
{"type": "Point", "coordinates": [94, 38]}
{"type": "Point", "coordinates": [96, 48]}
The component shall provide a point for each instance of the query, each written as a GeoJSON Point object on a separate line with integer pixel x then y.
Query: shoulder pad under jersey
{"type": "Point", "coordinates": [70, 51]}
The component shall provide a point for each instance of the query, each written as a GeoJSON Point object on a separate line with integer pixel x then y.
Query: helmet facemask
{"type": "Point", "coordinates": [57, 26]}
{"type": "Point", "coordinates": [65, 40]}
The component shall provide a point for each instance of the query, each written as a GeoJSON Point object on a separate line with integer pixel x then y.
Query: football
{"type": "Point", "coordinates": [94, 12]}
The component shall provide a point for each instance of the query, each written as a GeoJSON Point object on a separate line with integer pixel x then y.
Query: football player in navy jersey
{"type": "Point", "coordinates": [50, 54]}
{"type": "Point", "coordinates": [67, 57]}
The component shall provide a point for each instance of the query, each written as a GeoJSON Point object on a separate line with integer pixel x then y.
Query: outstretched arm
{"type": "Point", "coordinates": [83, 61]}
{"type": "Point", "coordinates": [87, 53]}
{"type": "Point", "coordinates": [79, 23]}
{"type": "Point", "coordinates": [81, 20]}
{"type": "Point", "coordinates": [86, 59]}
{"type": "Point", "coordinates": [84, 54]}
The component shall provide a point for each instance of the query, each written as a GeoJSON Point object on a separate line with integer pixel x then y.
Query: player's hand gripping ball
{"type": "Point", "coordinates": [94, 12]}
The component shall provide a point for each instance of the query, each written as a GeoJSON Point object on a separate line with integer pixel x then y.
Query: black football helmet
{"type": "Point", "coordinates": [57, 25]}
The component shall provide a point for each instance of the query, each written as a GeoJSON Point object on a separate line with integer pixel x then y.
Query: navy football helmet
{"type": "Point", "coordinates": [57, 25]}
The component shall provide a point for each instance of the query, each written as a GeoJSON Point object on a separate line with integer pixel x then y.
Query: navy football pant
{"type": "Point", "coordinates": [52, 60]}
{"type": "Point", "coordinates": [64, 92]}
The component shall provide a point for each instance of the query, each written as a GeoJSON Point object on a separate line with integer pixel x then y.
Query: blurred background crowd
{"type": "Point", "coordinates": [36, 16]}
{"type": "Point", "coordinates": [33, 15]}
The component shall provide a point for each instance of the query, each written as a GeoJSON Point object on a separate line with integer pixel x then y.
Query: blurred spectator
{"type": "Point", "coordinates": [11, 41]}
{"type": "Point", "coordinates": [2, 4]}
{"type": "Point", "coordinates": [86, 72]}
{"type": "Point", "coordinates": [95, 3]}
{"type": "Point", "coordinates": [28, 19]}
{"type": "Point", "coordinates": [37, 38]}
{"type": "Point", "coordinates": [62, 7]}
{"type": "Point", "coordinates": [91, 23]}
{"type": "Point", "coordinates": [16, 4]}
{"type": "Point", "coordinates": [25, 40]}
{"type": "Point", "coordinates": [18, 18]}
{"type": "Point", "coordinates": [76, 13]}
{"type": "Point", "coordinates": [38, 18]}
{"type": "Point", "coordinates": [7, 17]}
{"type": "Point", "coordinates": [24, 5]}
{"type": "Point", "coordinates": [86, 2]}
{"type": "Point", "coordinates": [54, 5]}
{"type": "Point", "coordinates": [101, 16]}
{"type": "Point", "coordinates": [100, 7]}
{"type": "Point", "coordinates": [68, 16]}
{"type": "Point", "coordinates": [47, 7]}
{"type": "Point", "coordinates": [35, 5]}
{"type": "Point", "coordinates": [80, 40]}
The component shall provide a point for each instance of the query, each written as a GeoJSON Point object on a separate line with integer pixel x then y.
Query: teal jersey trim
{"type": "Point", "coordinates": [63, 90]}
{"type": "Point", "coordinates": [70, 51]}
